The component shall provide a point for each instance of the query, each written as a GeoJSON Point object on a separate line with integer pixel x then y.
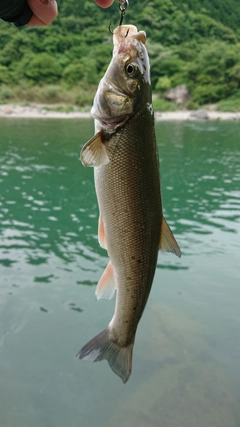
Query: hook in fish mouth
{"type": "Point", "coordinates": [110, 30]}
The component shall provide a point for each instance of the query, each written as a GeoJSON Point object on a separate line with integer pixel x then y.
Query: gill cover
{"type": "Point", "coordinates": [125, 87]}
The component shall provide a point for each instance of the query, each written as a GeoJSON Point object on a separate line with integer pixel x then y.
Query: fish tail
{"type": "Point", "coordinates": [103, 347]}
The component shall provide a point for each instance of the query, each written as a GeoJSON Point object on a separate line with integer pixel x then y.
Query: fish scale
{"type": "Point", "coordinates": [131, 227]}
{"type": "Point", "coordinates": [130, 190]}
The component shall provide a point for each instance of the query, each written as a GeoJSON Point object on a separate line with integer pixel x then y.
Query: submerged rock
{"type": "Point", "coordinates": [194, 394]}
{"type": "Point", "coordinates": [173, 337]}
{"type": "Point", "coordinates": [184, 387]}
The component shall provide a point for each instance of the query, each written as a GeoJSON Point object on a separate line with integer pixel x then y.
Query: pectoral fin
{"type": "Point", "coordinates": [94, 152]}
{"type": "Point", "coordinates": [101, 233]}
{"type": "Point", "coordinates": [167, 240]}
{"type": "Point", "coordinates": [106, 285]}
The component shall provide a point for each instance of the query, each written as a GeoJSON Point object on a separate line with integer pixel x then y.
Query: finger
{"type": "Point", "coordinates": [35, 22]}
{"type": "Point", "coordinates": [44, 12]}
{"type": "Point", "coordinates": [104, 3]}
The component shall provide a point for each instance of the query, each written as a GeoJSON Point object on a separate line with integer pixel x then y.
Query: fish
{"type": "Point", "coordinates": [131, 227]}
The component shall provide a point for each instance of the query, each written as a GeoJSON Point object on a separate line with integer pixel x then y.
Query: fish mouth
{"type": "Point", "coordinates": [110, 108]}
{"type": "Point", "coordinates": [112, 123]}
{"type": "Point", "coordinates": [109, 122]}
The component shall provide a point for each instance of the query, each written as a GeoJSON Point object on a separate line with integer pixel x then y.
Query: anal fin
{"type": "Point", "coordinates": [106, 285]}
{"type": "Point", "coordinates": [167, 241]}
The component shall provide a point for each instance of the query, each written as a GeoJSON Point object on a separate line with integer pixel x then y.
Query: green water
{"type": "Point", "coordinates": [186, 357]}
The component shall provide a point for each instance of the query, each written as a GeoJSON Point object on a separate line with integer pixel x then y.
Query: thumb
{"type": "Point", "coordinates": [44, 12]}
{"type": "Point", "coordinates": [104, 3]}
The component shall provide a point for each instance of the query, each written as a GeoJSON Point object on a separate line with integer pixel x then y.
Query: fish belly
{"type": "Point", "coordinates": [128, 192]}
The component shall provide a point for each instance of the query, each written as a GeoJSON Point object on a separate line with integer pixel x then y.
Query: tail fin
{"type": "Point", "coordinates": [103, 347]}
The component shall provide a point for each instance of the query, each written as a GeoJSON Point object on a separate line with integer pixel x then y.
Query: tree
{"type": "Point", "coordinates": [43, 68]}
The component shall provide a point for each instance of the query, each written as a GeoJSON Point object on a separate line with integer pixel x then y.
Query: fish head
{"type": "Point", "coordinates": [125, 88]}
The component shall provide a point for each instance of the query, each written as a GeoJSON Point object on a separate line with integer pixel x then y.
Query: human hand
{"type": "Point", "coordinates": [34, 12]}
{"type": "Point", "coordinates": [104, 3]}
{"type": "Point", "coordinates": [45, 11]}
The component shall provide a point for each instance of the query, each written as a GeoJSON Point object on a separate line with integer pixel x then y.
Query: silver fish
{"type": "Point", "coordinates": [131, 227]}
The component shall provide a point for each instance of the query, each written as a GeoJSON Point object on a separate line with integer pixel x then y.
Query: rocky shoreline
{"type": "Point", "coordinates": [37, 111]}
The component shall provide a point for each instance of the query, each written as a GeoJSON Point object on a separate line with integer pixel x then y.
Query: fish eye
{"type": "Point", "coordinates": [132, 69]}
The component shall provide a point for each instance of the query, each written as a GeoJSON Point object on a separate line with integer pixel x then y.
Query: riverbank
{"type": "Point", "coordinates": [37, 111]}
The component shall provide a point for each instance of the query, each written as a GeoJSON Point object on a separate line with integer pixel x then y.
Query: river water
{"type": "Point", "coordinates": [187, 350]}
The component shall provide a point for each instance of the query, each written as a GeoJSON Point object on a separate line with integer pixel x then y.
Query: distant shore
{"type": "Point", "coordinates": [37, 111]}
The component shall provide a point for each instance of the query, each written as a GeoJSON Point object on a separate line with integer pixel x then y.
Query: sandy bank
{"type": "Point", "coordinates": [195, 115]}
{"type": "Point", "coordinates": [39, 111]}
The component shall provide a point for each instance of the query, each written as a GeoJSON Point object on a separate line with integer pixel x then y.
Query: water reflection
{"type": "Point", "coordinates": [203, 203]}
{"type": "Point", "coordinates": [43, 199]}
{"type": "Point", "coordinates": [44, 191]}
{"type": "Point", "coordinates": [185, 368]}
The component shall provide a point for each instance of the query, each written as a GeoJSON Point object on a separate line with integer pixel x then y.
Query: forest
{"type": "Point", "coordinates": [190, 42]}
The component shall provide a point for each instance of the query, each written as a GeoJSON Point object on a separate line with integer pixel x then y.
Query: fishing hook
{"type": "Point", "coordinates": [122, 5]}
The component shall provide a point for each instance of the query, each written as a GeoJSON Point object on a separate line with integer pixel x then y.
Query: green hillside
{"type": "Point", "coordinates": [196, 43]}
{"type": "Point", "coordinates": [226, 12]}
